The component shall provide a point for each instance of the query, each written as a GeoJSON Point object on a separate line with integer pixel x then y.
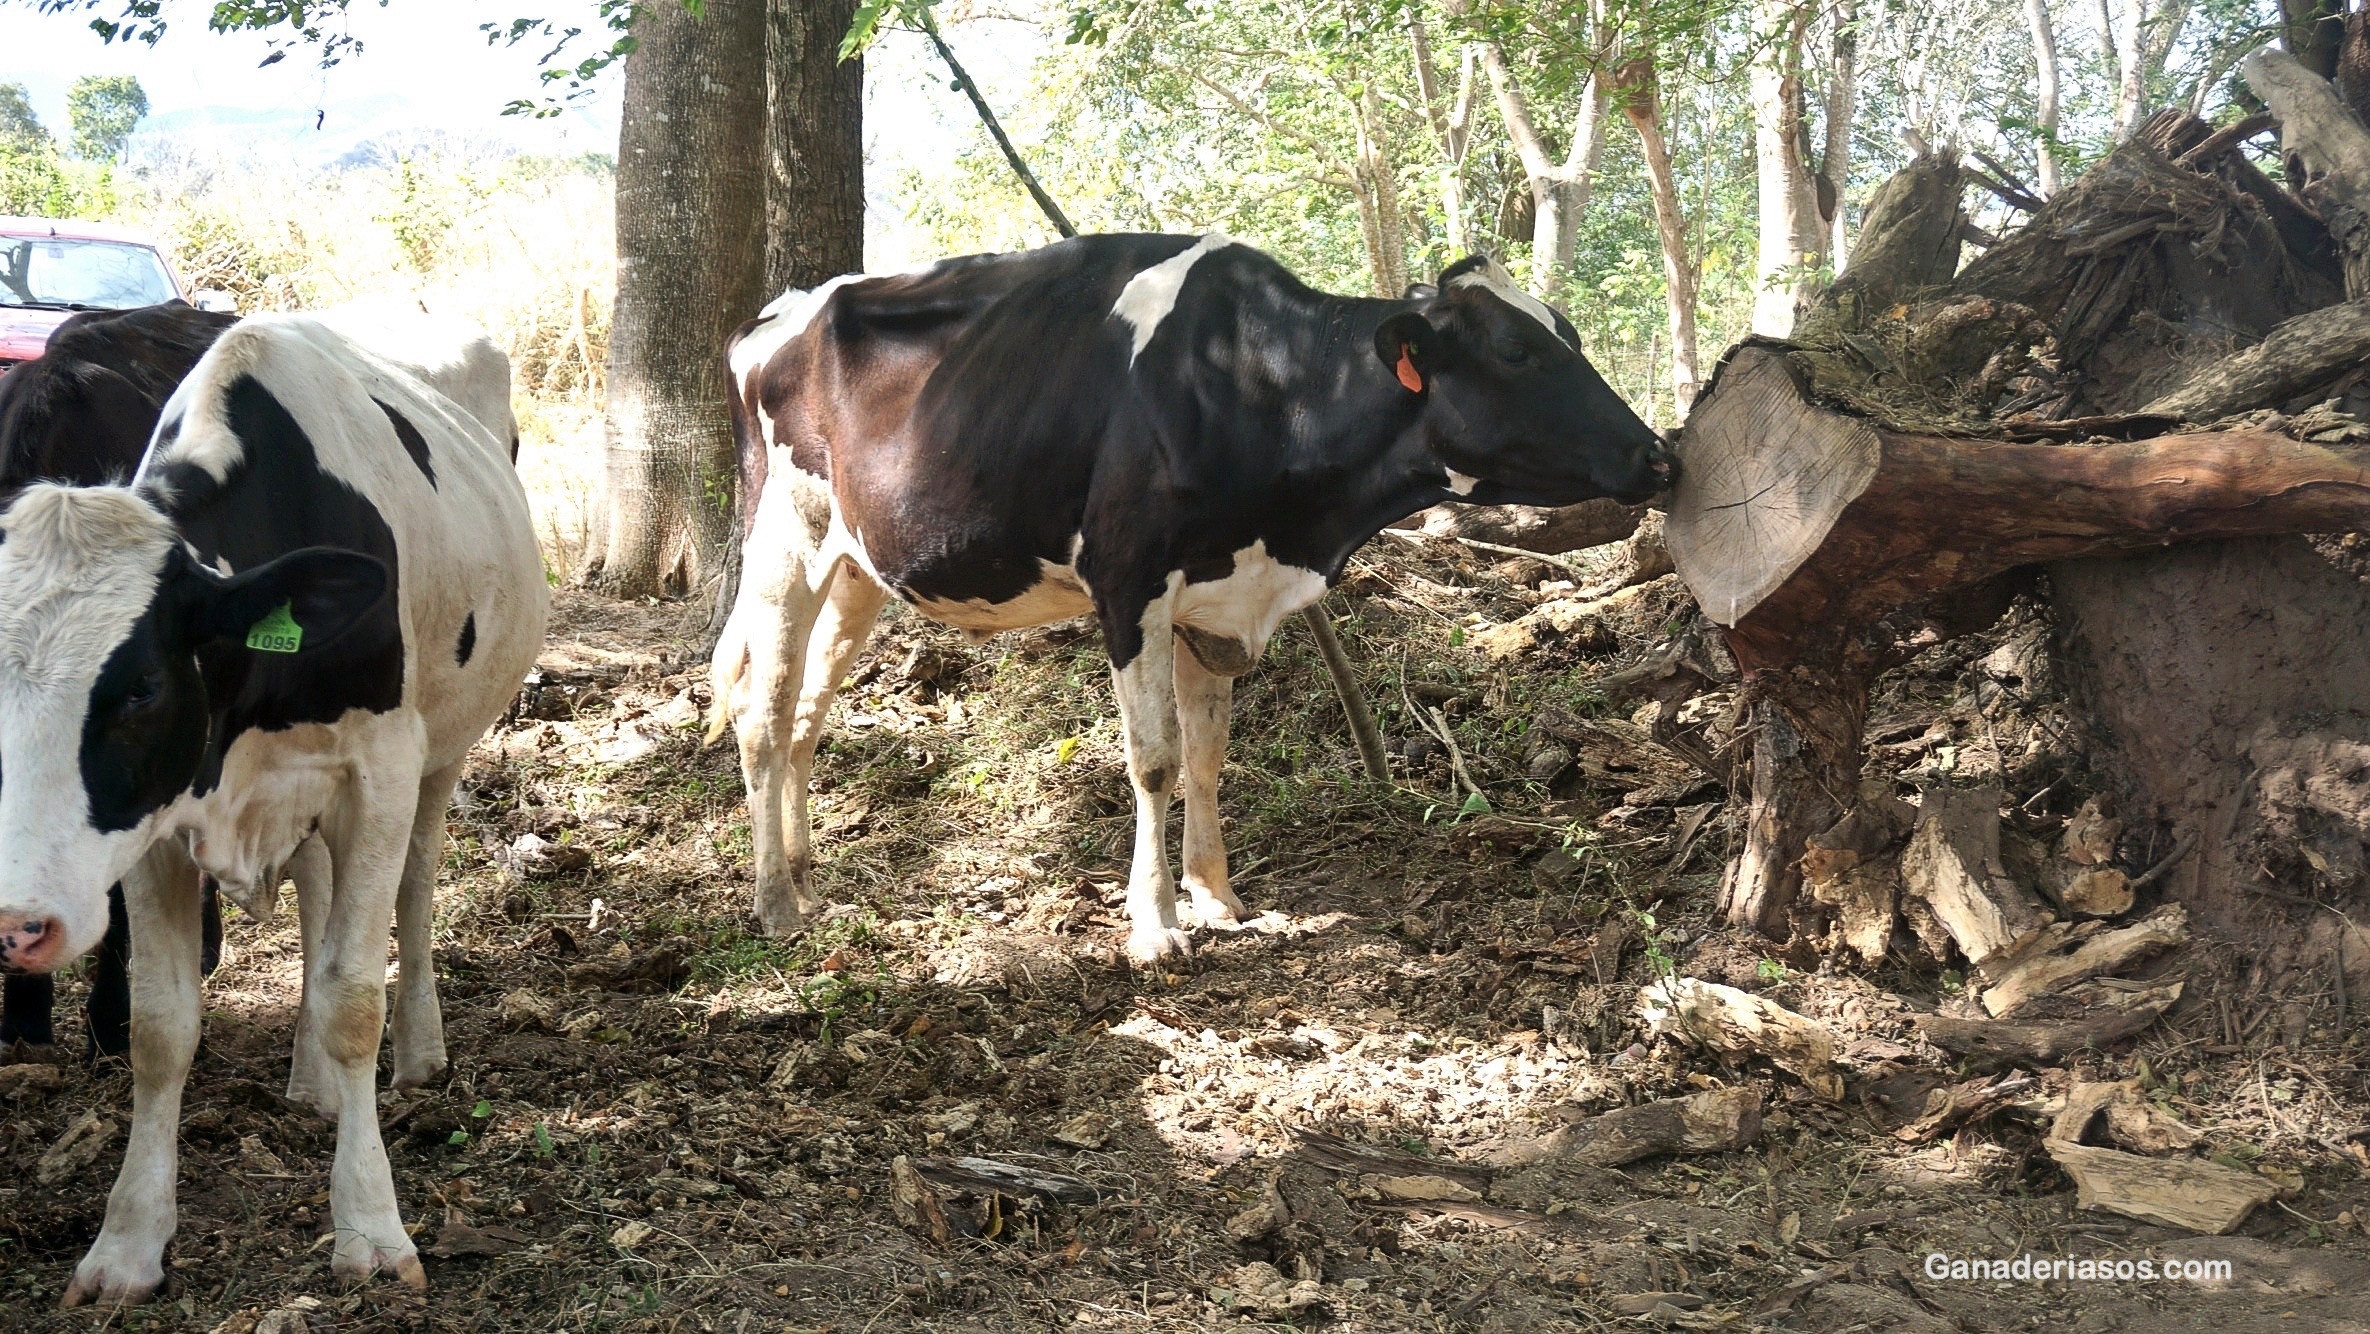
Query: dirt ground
{"type": "Point", "coordinates": [656, 1120]}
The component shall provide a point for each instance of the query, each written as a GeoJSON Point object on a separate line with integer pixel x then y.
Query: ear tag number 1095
{"type": "Point", "coordinates": [276, 633]}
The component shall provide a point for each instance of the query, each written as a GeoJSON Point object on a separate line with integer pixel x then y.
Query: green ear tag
{"type": "Point", "coordinates": [276, 633]}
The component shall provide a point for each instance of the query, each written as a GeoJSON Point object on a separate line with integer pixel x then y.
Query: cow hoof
{"type": "Point", "coordinates": [357, 1262]}
{"type": "Point", "coordinates": [1150, 946]}
{"type": "Point", "coordinates": [780, 923]}
{"type": "Point", "coordinates": [320, 1095]}
{"type": "Point", "coordinates": [114, 1279]}
{"type": "Point", "coordinates": [1212, 913]}
{"type": "Point", "coordinates": [413, 1072]}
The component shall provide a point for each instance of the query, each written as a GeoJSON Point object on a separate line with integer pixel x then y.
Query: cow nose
{"type": "Point", "coordinates": [31, 944]}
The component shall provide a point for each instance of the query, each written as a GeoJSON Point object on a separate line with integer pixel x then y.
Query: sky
{"type": "Point", "coordinates": [426, 70]}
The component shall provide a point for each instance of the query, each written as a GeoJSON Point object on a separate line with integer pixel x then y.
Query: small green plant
{"type": "Point", "coordinates": [1953, 981]}
{"type": "Point", "coordinates": [543, 1145]}
{"type": "Point", "coordinates": [1664, 964]}
{"type": "Point", "coordinates": [1770, 970]}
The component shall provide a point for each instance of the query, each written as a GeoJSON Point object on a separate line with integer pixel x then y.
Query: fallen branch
{"type": "Point", "coordinates": [2066, 953]}
{"type": "Point", "coordinates": [1736, 1024]}
{"type": "Point", "coordinates": [1353, 703]}
{"type": "Point", "coordinates": [1717, 1121]}
{"type": "Point", "coordinates": [1988, 1042]}
{"type": "Point", "coordinates": [2291, 359]}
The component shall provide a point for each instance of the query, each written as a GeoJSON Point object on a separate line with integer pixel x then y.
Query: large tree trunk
{"type": "Point", "coordinates": [1907, 465]}
{"type": "Point", "coordinates": [1641, 102]}
{"type": "Point", "coordinates": [1793, 241]}
{"type": "Point", "coordinates": [1843, 104]}
{"type": "Point", "coordinates": [691, 171]}
{"type": "Point", "coordinates": [814, 183]}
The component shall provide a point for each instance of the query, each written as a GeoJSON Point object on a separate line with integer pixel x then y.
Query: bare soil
{"type": "Point", "coordinates": [656, 1120]}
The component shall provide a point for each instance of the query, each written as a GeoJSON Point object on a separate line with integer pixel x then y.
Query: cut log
{"type": "Point", "coordinates": [2172, 1192]}
{"type": "Point", "coordinates": [2316, 125]}
{"type": "Point", "coordinates": [1953, 863]}
{"type": "Point", "coordinates": [2066, 953]}
{"type": "Point", "coordinates": [1735, 1025]}
{"type": "Point", "coordinates": [2131, 1121]}
{"type": "Point", "coordinates": [1717, 1121]}
{"type": "Point", "coordinates": [1988, 1043]}
{"type": "Point", "coordinates": [1822, 542]}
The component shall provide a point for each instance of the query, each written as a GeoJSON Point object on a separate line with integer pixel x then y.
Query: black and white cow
{"type": "Point", "coordinates": [1172, 433]}
{"type": "Point", "coordinates": [82, 413]}
{"type": "Point", "coordinates": [318, 591]}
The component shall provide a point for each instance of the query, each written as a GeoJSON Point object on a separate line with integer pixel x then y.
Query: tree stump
{"type": "Point", "coordinates": [1824, 543]}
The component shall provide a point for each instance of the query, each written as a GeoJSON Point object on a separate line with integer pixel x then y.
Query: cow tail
{"type": "Point", "coordinates": [724, 675]}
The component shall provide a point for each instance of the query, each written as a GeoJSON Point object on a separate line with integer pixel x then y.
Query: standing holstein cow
{"type": "Point", "coordinates": [320, 589]}
{"type": "Point", "coordinates": [1170, 432]}
{"type": "Point", "coordinates": [82, 412]}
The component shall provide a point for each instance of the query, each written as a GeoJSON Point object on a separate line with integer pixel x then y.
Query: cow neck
{"type": "Point", "coordinates": [275, 498]}
{"type": "Point", "coordinates": [1368, 463]}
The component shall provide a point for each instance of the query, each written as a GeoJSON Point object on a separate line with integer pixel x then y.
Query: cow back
{"type": "Point", "coordinates": [84, 411]}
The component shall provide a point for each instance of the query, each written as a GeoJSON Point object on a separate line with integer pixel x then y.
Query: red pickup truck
{"type": "Point", "coordinates": [50, 269]}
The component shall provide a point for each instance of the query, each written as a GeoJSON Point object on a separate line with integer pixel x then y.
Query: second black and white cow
{"type": "Point", "coordinates": [1171, 433]}
{"type": "Point", "coordinates": [82, 413]}
{"type": "Point", "coordinates": [319, 590]}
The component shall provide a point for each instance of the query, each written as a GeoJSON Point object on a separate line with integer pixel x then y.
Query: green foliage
{"type": "Point", "coordinates": [35, 180]}
{"type": "Point", "coordinates": [103, 108]}
{"type": "Point", "coordinates": [19, 127]}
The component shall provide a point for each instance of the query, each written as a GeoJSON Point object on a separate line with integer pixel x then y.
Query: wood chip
{"type": "Point", "coordinates": [1953, 864]}
{"type": "Point", "coordinates": [2186, 1193]}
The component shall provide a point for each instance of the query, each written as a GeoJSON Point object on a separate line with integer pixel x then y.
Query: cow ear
{"type": "Point", "coordinates": [302, 601]}
{"type": "Point", "coordinates": [1410, 346]}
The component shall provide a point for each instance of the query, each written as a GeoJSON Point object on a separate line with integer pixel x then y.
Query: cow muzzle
{"type": "Point", "coordinates": [32, 944]}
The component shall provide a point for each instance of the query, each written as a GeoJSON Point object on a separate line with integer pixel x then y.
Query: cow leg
{"type": "Point", "coordinates": [1204, 702]}
{"type": "Point", "coordinates": [107, 1013]}
{"type": "Point", "coordinates": [840, 632]}
{"type": "Point", "coordinates": [367, 849]}
{"type": "Point", "coordinates": [417, 1031]}
{"type": "Point", "coordinates": [126, 1263]}
{"type": "Point", "coordinates": [309, 1080]}
{"type": "Point", "coordinates": [785, 583]}
{"type": "Point", "coordinates": [1147, 692]}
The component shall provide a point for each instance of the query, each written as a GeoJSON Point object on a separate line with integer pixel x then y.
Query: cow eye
{"type": "Point", "coordinates": [144, 692]}
{"type": "Point", "coordinates": [1513, 353]}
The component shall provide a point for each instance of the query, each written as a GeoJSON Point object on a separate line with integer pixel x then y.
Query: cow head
{"type": "Point", "coordinates": [104, 715]}
{"type": "Point", "coordinates": [1513, 413]}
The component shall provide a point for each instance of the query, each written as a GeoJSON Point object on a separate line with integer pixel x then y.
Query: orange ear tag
{"type": "Point", "coordinates": [1408, 375]}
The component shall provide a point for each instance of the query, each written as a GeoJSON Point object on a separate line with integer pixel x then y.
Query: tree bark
{"type": "Point", "coordinates": [814, 185]}
{"type": "Point", "coordinates": [2316, 126]}
{"type": "Point", "coordinates": [1835, 161]}
{"type": "Point", "coordinates": [1641, 102]}
{"type": "Point", "coordinates": [691, 171]}
{"type": "Point", "coordinates": [1378, 198]}
{"type": "Point", "coordinates": [2127, 57]}
{"type": "Point", "coordinates": [2313, 31]}
{"type": "Point", "coordinates": [1793, 240]}
{"type": "Point", "coordinates": [2045, 93]}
